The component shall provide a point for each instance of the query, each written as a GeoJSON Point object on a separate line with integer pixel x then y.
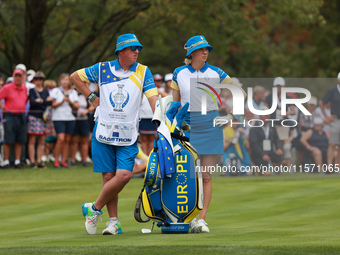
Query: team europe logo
{"type": "Point", "coordinates": [120, 99]}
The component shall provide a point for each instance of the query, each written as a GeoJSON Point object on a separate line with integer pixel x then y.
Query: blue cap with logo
{"type": "Point", "coordinates": [126, 40]}
{"type": "Point", "coordinates": [195, 43]}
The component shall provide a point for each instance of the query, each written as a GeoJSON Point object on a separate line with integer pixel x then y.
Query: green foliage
{"type": "Point", "coordinates": [250, 39]}
{"type": "Point", "coordinates": [289, 38]}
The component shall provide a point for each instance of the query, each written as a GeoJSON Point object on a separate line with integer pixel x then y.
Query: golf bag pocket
{"type": "Point", "coordinates": [152, 205]}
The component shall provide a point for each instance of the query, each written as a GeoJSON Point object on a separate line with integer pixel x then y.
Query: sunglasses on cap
{"type": "Point", "coordinates": [133, 48]}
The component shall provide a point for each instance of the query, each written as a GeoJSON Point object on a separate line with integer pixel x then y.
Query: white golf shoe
{"type": "Point", "coordinates": [91, 217]}
{"type": "Point", "coordinates": [200, 227]}
{"type": "Point", "coordinates": [192, 223]}
{"type": "Point", "coordinates": [113, 228]}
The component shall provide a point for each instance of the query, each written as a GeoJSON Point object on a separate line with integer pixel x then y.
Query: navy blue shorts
{"type": "Point", "coordinates": [82, 128]}
{"type": "Point", "coordinates": [64, 126]}
{"type": "Point", "coordinates": [108, 158]}
{"type": "Point", "coordinates": [15, 128]}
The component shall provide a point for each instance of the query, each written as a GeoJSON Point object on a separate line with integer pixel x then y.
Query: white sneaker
{"type": "Point", "coordinates": [113, 228]}
{"type": "Point", "coordinates": [78, 157]}
{"type": "Point", "coordinates": [51, 157]}
{"type": "Point", "coordinates": [44, 158]}
{"type": "Point", "coordinates": [89, 159]}
{"type": "Point", "coordinates": [91, 217]}
{"type": "Point", "coordinates": [200, 227]}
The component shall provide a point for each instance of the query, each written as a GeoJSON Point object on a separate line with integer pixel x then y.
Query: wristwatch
{"type": "Point", "coordinates": [91, 97]}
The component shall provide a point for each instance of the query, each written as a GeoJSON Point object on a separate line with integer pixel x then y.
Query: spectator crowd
{"type": "Point", "coordinates": [43, 120]}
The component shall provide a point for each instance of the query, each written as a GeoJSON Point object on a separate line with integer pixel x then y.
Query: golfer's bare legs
{"type": "Point", "coordinates": [207, 160]}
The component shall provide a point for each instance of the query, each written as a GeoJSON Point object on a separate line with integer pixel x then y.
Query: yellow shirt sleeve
{"type": "Point", "coordinates": [227, 80]}
{"type": "Point", "coordinates": [174, 85]}
{"type": "Point", "coordinates": [82, 75]}
{"type": "Point", "coordinates": [151, 92]}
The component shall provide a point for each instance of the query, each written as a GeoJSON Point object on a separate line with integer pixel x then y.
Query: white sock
{"type": "Point", "coordinates": [6, 162]}
{"type": "Point", "coordinates": [17, 162]}
{"type": "Point", "coordinates": [113, 218]}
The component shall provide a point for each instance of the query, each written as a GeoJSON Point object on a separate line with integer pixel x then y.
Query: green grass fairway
{"type": "Point", "coordinates": [289, 214]}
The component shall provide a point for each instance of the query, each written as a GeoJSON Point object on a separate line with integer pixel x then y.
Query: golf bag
{"type": "Point", "coordinates": [172, 192]}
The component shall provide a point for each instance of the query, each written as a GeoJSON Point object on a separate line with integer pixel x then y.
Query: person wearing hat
{"type": "Point", "coordinates": [158, 80]}
{"type": "Point", "coordinates": [167, 80]}
{"type": "Point", "coordinates": [39, 99]}
{"type": "Point", "coordinates": [315, 144]}
{"type": "Point", "coordinates": [333, 96]}
{"type": "Point", "coordinates": [284, 133]}
{"type": "Point", "coordinates": [159, 85]}
{"type": "Point", "coordinates": [28, 83]}
{"type": "Point", "coordinates": [30, 75]}
{"type": "Point", "coordinates": [305, 122]}
{"type": "Point", "coordinates": [15, 96]}
{"type": "Point", "coordinates": [189, 83]}
{"type": "Point", "coordinates": [122, 83]}
{"type": "Point", "coordinates": [278, 83]}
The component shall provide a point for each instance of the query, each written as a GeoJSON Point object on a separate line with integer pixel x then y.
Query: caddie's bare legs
{"type": "Point", "coordinates": [112, 187]}
{"type": "Point", "coordinates": [112, 205]}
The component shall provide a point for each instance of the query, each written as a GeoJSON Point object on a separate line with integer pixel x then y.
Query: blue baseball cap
{"type": "Point", "coordinates": [126, 40]}
{"type": "Point", "coordinates": [195, 43]}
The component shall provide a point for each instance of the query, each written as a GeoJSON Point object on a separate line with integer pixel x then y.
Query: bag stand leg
{"type": "Point", "coordinates": [146, 230]}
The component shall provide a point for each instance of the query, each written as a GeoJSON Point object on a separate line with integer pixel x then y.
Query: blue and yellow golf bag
{"type": "Point", "coordinates": [172, 193]}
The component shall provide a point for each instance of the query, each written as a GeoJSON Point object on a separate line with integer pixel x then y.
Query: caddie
{"type": "Point", "coordinates": [114, 141]}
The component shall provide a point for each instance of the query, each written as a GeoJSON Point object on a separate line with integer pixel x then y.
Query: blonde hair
{"type": "Point", "coordinates": [50, 83]}
{"type": "Point", "coordinates": [188, 60]}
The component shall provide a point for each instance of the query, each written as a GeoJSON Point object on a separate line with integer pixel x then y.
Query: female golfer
{"type": "Point", "coordinates": [194, 83]}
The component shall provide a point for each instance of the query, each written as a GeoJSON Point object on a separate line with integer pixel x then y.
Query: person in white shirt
{"type": "Point", "coordinates": [122, 82]}
{"type": "Point", "coordinates": [167, 80]}
{"type": "Point", "coordinates": [65, 101]}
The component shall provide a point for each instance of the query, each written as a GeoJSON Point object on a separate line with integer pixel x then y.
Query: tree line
{"type": "Point", "coordinates": [251, 38]}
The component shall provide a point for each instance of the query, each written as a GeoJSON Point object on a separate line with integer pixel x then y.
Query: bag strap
{"type": "Point", "coordinates": [63, 92]}
{"type": "Point", "coordinates": [180, 137]}
{"type": "Point", "coordinates": [37, 93]}
{"type": "Point", "coordinates": [136, 211]}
